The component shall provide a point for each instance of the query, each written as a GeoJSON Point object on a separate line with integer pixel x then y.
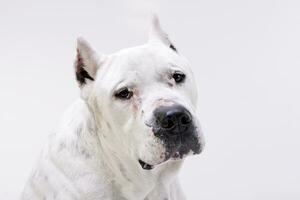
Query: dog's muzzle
{"type": "Point", "coordinates": [175, 127]}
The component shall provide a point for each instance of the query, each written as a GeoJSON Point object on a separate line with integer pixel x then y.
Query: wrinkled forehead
{"type": "Point", "coordinates": [142, 64]}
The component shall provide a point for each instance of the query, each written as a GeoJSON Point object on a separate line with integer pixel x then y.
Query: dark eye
{"type": "Point", "coordinates": [124, 93]}
{"type": "Point", "coordinates": [178, 77]}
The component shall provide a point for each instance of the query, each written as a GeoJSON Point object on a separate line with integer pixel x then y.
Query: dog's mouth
{"type": "Point", "coordinates": [180, 152]}
{"type": "Point", "coordinates": [145, 166]}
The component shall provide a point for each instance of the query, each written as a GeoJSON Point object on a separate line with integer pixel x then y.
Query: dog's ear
{"type": "Point", "coordinates": [156, 34]}
{"type": "Point", "coordinates": [86, 63]}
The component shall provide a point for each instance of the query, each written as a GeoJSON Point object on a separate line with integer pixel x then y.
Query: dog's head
{"type": "Point", "coordinates": [143, 99]}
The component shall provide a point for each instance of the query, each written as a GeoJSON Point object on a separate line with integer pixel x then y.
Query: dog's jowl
{"type": "Point", "coordinates": [130, 131]}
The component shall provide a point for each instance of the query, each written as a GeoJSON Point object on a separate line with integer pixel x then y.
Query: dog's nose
{"type": "Point", "coordinates": [174, 119]}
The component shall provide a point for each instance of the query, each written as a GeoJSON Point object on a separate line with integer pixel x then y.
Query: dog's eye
{"type": "Point", "coordinates": [178, 77]}
{"type": "Point", "coordinates": [124, 93]}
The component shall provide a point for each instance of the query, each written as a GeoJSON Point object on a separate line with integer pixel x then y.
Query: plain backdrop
{"type": "Point", "coordinates": [245, 55]}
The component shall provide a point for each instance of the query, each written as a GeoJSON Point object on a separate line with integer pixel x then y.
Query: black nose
{"type": "Point", "coordinates": [174, 119]}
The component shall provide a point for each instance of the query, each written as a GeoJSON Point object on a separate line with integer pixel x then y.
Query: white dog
{"type": "Point", "coordinates": [127, 136]}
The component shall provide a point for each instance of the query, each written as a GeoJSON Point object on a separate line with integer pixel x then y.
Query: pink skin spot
{"type": "Point", "coordinates": [162, 102]}
{"type": "Point", "coordinates": [171, 82]}
{"type": "Point", "coordinates": [136, 102]}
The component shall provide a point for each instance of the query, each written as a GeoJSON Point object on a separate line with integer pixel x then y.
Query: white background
{"type": "Point", "coordinates": [245, 55]}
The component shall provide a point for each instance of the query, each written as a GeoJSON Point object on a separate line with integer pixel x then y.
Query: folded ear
{"type": "Point", "coordinates": [86, 63]}
{"type": "Point", "coordinates": [156, 34]}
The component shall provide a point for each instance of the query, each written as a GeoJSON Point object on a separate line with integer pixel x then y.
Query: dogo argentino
{"type": "Point", "coordinates": [127, 136]}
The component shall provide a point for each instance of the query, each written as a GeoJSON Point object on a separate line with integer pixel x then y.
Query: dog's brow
{"type": "Point", "coordinates": [176, 67]}
{"type": "Point", "coordinates": [123, 83]}
{"type": "Point", "coordinates": [118, 84]}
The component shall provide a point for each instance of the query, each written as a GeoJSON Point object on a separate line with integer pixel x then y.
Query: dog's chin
{"type": "Point", "coordinates": [147, 166]}
{"type": "Point", "coordinates": [175, 156]}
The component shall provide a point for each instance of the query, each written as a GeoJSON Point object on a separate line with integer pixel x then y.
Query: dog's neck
{"type": "Point", "coordinates": [121, 169]}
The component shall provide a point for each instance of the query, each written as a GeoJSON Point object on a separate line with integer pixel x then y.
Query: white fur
{"type": "Point", "coordinates": [95, 153]}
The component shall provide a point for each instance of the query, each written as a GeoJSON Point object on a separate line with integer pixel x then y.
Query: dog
{"type": "Point", "coordinates": [128, 134]}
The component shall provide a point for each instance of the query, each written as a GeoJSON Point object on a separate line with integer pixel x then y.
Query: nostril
{"type": "Point", "coordinates": [185, 119]}
{"type": "Point", "coordinates": [167, 123]}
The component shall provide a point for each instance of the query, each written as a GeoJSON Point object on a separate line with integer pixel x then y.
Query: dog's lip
{"type": "Point", "coordinates": [145, 166]}
{"type": "Point", "coordinates": [149, 124]}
